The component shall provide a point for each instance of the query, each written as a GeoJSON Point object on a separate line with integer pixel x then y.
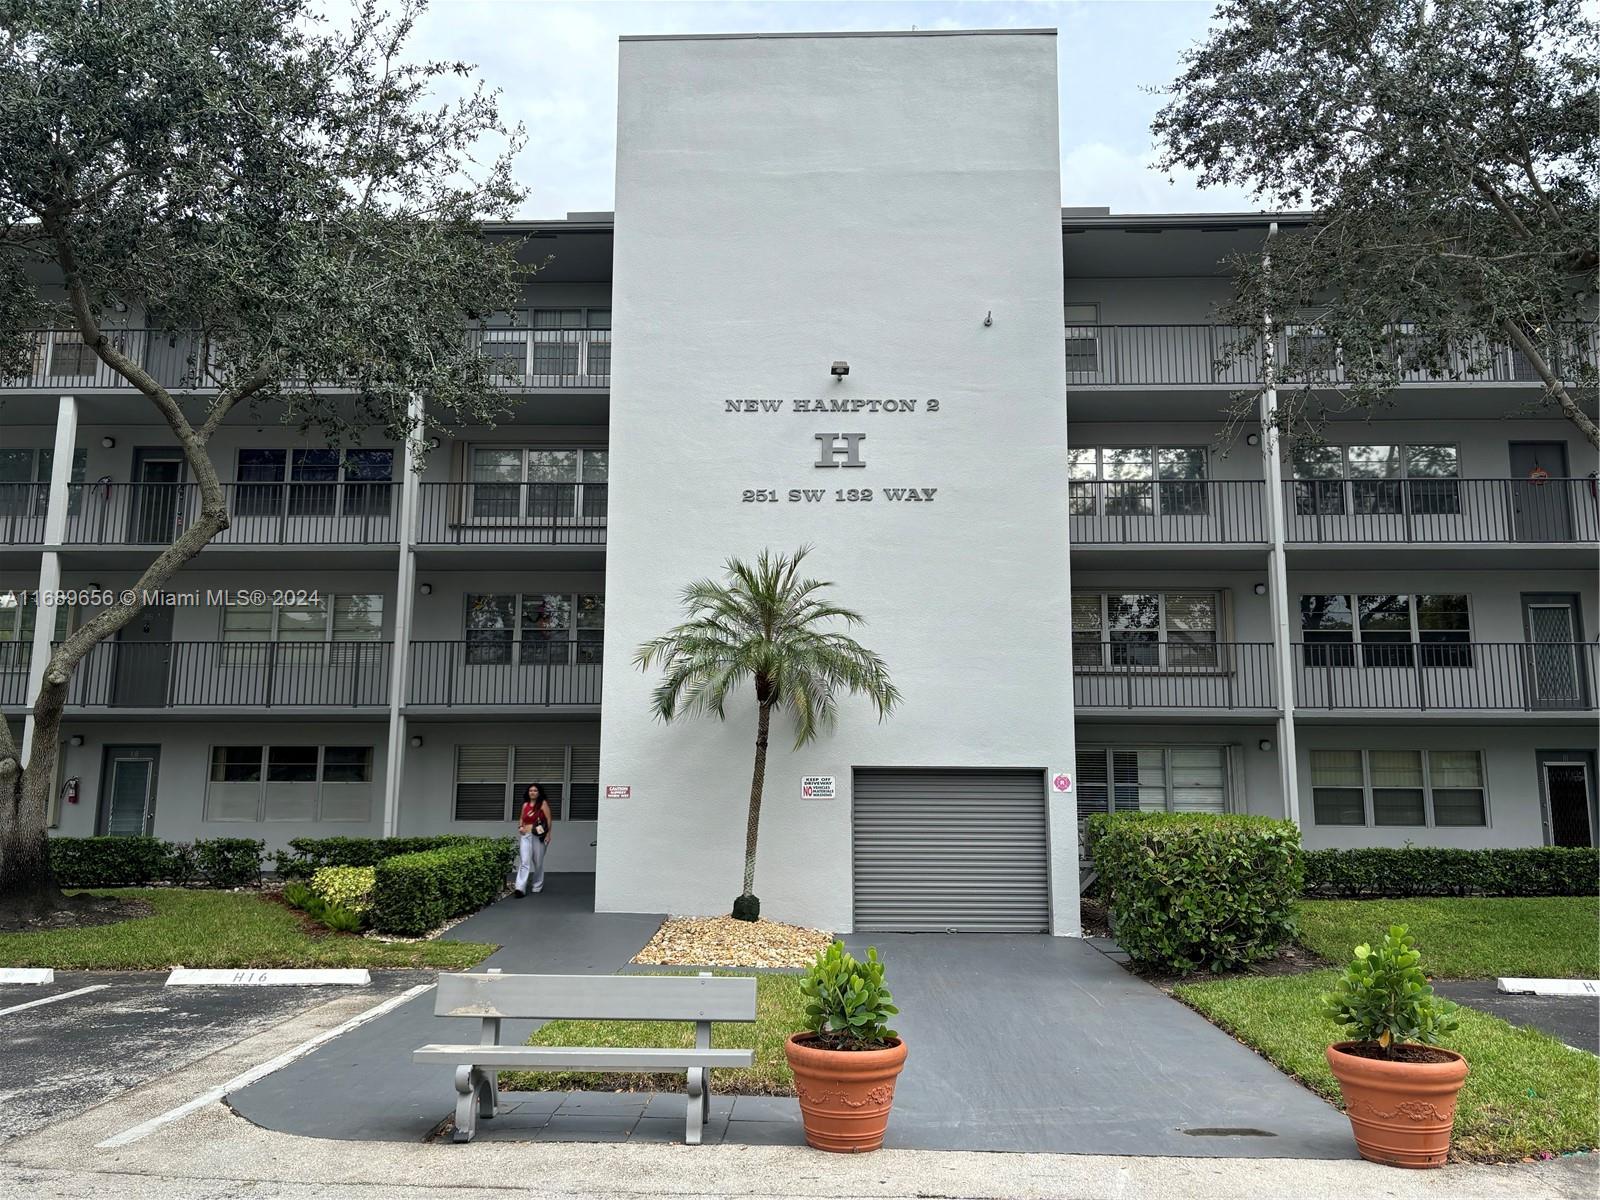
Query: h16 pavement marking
{"type": "Point", "coordinates": [297, 977]}
{"type": "Point", "coordinates": [261, 1071]}
{"type": "Point", "coordinates": [93, 987]}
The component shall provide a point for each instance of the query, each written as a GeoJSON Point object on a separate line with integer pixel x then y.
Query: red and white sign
{"type": "Point", "coordinates": [1060, 781]}
{"type": "Point", "coordinates": [817, 787]}
{"type": "Point", "coordinates": [619, 791]}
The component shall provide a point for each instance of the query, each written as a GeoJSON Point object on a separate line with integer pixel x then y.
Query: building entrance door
{"type": "Point", "coordinates": [143, 663]}
{"type": "Point", "coordinates": [1555, 665]}
{"type": "Point", "coordinates": [1539, 497]}
{"type": "Point", "coordinates": [157, 510]}
{"type": "Point", "coordinates": [130, 790]}
{"type": "Point", "coordinates": [1566, 798]}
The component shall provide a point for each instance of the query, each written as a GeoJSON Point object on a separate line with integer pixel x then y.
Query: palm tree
{"type": "Point", "coordinates": [766, 624]}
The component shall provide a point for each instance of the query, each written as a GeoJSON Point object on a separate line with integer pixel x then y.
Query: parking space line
{"type": "Point", "coordinates": [93, 987]}
{"type": "Point", "coordinates": [261, 1071]}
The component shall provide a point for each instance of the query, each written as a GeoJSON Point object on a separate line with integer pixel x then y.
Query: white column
{"type": "Point", "coordinates": [405, 593]}
{"type": "Point", "coordinates": [55, 533]}
{"type": "Point", "coordinates": [1277, 567]}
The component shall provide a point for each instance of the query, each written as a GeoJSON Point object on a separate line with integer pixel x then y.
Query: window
{"type": "Point", "coordinates": [1137, 481]}
{"type": "Point", "coordinates": [1152, 779]}
{"type": "Point", "coordinates": [491, 781]}
{"type": "Point", "coordinates": [323, 630]}
{"type": "Point", "coordinates": [289, 783]}
{"type": "Point", "coordinates": [1434, 629]}
{"type": "Point", "coordinates": [538, 627]}
{"type": "Point", "coordinates": [25, 481]}
{"type": "Point", "coordinates": [313, 482]}
{"type": "Point", "coordinates": [1422, 479]}
{"type": "Point", "coordinates": [1409, 788]}
{"type": "Point", "coordinates": [1083, 336]}
{"type": "Point", "coordinates": [515, 483]}
{"type": "Point", "coordinates": [1145, 629]}
{"type": "Point", "coordinates": [71, 357]}
{"type": "Point", "coordinates": [556, 342]}
{"type": "Point", "coordinates": [17, 617]}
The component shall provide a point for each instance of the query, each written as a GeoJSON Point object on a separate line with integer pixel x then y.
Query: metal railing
{"type": "Point", "coordinates": [58, 359]}
{"type": "Point", "coordinates": [15, 658]}
{"type": "Point", "coordinates": [494, 670]}
{"type": "Point", "coordinates": [1122, 512]}
{"type": "Point", "coordinates": [144, 514]}
{"type": "Point", "coordinates": [560, 514]}
{"type": "Point", "coordinates": [251, 675]}
{"type": "Point", "coordinates": [1135, 355]}
{"type": "Point", "coordinates": [1215, 675]}
{"type": "Point", "coordinates": [22, 509]}
{"type": "Point", "coordinates": [1442, 510]}
{"type": "Point", "coordinates": [1457, 676]}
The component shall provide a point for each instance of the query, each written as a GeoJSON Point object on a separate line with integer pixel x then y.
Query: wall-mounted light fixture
{"type": "Point", "coordinates": [839, 370]}
{"type": "Point", "coordinates": [426, 589]}
{"type": "Point", "coordinates": [1265, 744]}
{"type": "Point", "coordinates": [75, 740]}
{"type": "Point", "coordinates": [1260, 589]}
{"type": "Point", "coordinates": [93, 586]}
{"type": "Point", "coordinates": [110, 443]}
{"type": "Point", "coordinates": [1252, 439]}
{"type": "Point", "coordinates": [434, 443]}
{"type": "Point", "coordinates": [416, 741]}
{"type": "Point", "coordinates": [988, 318]}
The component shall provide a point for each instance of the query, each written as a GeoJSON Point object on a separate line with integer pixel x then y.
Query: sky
{"type": "Point", "coordinates": [555, 64]}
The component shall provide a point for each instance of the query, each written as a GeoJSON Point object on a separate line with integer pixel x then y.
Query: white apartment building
{"type": "Point", "coordinates": [1088, 597]}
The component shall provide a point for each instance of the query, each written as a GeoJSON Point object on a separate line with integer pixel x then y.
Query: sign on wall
{"type": "Point", "coordinates": [817, 787]}
{"type": "Point", "coordinates": [615, 791]}
{"type": "Point", "coordinates": [1060, 782]}
{"type": "Point", "coordinates": [838, 451]}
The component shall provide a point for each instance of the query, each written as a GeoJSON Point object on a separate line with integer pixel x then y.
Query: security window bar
{"type": "Point", "coordinates": [1152, 779]}
{"type": "Point", "coordinates": [492, 781]}
{"type": "Point", "coordinates": [539, 628]}
{"type": "Point", "coordinates": [1422, 479]}
{"type": "Point", "coordinates": [1145, 629]}
{"type": "Point", "coordinates": [1137, 481]}
{"type": "Point", "coordinates": [1408, 788]}
{"type": "Point", "coordinates": [1431, 629]}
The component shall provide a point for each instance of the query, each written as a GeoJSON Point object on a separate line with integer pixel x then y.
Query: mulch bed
{"type": "Point", "coordinates": [75, 912]}
{"type": "Point", "coordinates": [725, 942]}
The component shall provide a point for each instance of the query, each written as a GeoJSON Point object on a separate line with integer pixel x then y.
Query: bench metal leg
{"type": "Point", "coordinates": [477, 1095]}
{"type": "Point", "coordinates": [699, 1105]}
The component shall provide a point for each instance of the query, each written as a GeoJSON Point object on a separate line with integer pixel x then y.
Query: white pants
{"type": "Point", "coordinates": [530, 857]}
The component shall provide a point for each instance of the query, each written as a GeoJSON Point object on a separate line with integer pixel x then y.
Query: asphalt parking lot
{"type": "Point", "coordinates": [103, 1033]}
{"type": "Point", "coordinates": [1574, 1020]}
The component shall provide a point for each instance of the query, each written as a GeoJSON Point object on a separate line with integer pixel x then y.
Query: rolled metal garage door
{"type": "Point", "coordinates": [950, 850]}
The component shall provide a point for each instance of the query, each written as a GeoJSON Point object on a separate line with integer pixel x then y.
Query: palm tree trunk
{"type": "Point", "coordinates": [758, 778]}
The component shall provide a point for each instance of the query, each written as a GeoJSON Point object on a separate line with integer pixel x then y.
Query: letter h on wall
{"type": "Point", "coordinates": [829, 449]}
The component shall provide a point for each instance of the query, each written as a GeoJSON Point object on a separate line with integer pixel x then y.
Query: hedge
{"type": "Point", "coordinates": [348, 887]}
{"type": "Point", "coordinates": [417, 892]}
{"type": "Point", "coordinates": [307, 855]}
{"type": "Point", "coordinates": [1436, 871]}
{"type": "Point", "coordinates": [1193, 890]}
{"type": "Point", "coordinates": [137, 861]}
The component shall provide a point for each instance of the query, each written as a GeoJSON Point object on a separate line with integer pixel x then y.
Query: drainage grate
{"type": "Point", "coordinates": [1224, 1131]}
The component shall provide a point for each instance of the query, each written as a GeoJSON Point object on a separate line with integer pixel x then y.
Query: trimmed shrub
{"type": "Point", "coordinates": [230, 862]}
{"type": "Point", "coordinates": [1437, 871]}
{"type": "Point", "coordinates": [109, 861]}
{"type": "Point", "coordinates": [414, 893]}
{"type": "Point", "coordinates": [306, 855]}
{"type": "Point", "coordinates": [1193, 890]}
{"type": "Point", "coordinates": [347, 887]}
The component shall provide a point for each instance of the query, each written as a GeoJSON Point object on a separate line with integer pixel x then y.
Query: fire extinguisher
{"type": "Point", "coordinates": [69, 790]}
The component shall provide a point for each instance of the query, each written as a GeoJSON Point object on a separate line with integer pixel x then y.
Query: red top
{"type": "Point", "coordinates": [530, 815]}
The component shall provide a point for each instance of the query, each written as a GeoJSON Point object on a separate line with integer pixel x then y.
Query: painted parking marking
{"type": "Point", "coordinates": [261, 1071]}
{"type": "Point", "coordinates": [1549, 987]}
{"type": "Point", "coordinates": [93, 987]}
{"type": "Point", "coordinates": [297, 977]}
{"type": "Point", "coordinates": [27, 975]}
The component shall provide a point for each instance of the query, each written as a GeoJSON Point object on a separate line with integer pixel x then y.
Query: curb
{"type": "Point", "coordinates": [27, 975]}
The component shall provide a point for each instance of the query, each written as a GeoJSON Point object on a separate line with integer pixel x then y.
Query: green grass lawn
{"type": "Point", "coordinates": [780, 1011]}
{"type": "Point", "coordinates": [1525, 1092]}
{"type": "Point", "coordinates": [1469, 937]}
{"type": "Point", "coordinates": [218, 929]}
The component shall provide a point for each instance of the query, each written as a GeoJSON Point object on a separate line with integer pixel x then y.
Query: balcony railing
{"type": "Point", "coordinates": [14, 660]}
{"type": "Point", "coordinates": [1138, 355]}
{"type": "Point", "coordinates": [145, 514]}
{"type": "Point", "coordinates": [1210, 675]}
{"type": "Point", "coordinates": [22, 509]}
{"type": "Point", "coordinates": [1454, 676]}
{"type": "Point", "coordinates": [494, 671]}
{"type": "Point", "coordinates": [1206, 511]}
{"type": "Point", "coordinates": [250, 675]}
{"type": "Point", "coordinates": [1438, 511]}
{"type": "Point", "coordinates": [58, 359]}
{"type": "Point", "coordinates": [549, 514]}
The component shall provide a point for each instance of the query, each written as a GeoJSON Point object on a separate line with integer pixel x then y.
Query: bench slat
{"type": "Point", "coordinates": [597, 997]}
{"type": "Point", "coordinates": [595, 1058]}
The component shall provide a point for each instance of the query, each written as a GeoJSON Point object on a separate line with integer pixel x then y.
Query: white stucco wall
{"type": "Point", "coordinates": [783, 203]}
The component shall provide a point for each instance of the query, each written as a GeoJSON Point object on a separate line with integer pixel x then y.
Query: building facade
{"type": "Point", "coordinates": [1089, 596]}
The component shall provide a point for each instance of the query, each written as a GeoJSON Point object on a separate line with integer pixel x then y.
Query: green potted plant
{"type": "Point", "coordinates": [1399, 1088]}
{"type": "Point", "coordinates": [846, 1061]}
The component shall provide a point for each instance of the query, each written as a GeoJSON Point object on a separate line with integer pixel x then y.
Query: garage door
{"type": "Point", "coordinates": [950, 850]}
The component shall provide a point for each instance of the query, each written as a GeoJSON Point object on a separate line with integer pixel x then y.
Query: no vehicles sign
{"type": "Point", "coordinates": [816, 787]}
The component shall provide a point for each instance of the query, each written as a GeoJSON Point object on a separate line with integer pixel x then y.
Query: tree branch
{"type": "Point", "coordinates": [1552, 382]}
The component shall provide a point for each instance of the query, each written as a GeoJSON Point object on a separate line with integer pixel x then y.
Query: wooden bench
{"type": "Point", "coordinates": [493, 997]}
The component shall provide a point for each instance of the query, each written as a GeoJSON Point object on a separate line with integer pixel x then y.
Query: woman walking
{"type": "Point", "coordinates": [533, 835]}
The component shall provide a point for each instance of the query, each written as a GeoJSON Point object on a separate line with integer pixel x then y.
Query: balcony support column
{"type": "Point", "coordinates": [55, 533]}
{"type": "Point", "coordinates": [405, 594]}
{"type": "Point", "coordinates": [1277, 564]}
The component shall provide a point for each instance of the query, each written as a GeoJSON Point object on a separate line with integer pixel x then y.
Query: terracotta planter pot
{"type": "Point", "coordinates": [845, 1095]}
{"type": "Point", "coordinates": [1400, 1112]}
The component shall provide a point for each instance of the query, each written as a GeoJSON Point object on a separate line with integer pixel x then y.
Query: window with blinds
{"type": "Point", "coordinates": [491, 781]}
{"type": "Point", "coordinates": [1152, 779]}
